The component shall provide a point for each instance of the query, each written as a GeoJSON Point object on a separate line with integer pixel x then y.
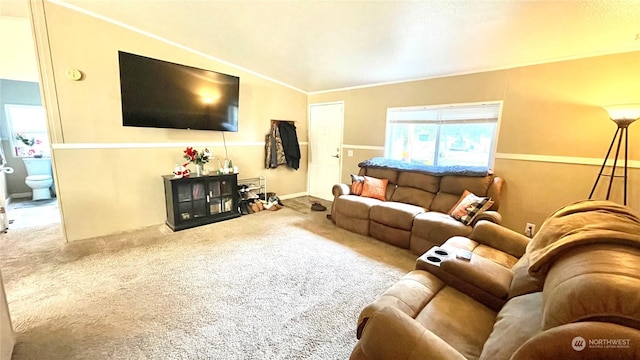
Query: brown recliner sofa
{"type": "Point", "coordinates": [414, 214]}
{"type": "Point", "coordinates": [579, 297]}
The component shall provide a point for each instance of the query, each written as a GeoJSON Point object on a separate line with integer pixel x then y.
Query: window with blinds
{"type": "Point", "coordinates": [463, 134]}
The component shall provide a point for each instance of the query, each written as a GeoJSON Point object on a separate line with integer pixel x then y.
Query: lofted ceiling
{"type": "Point", "coordinates": [322, 45]}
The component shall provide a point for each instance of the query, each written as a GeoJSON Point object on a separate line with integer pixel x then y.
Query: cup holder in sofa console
{"type": "Point", "coordinates": [435, 256]}
{"type": "Point", "coordinates": [441, 252]}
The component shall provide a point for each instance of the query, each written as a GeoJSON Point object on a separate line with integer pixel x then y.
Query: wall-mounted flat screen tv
{"type": "Point", "coordinates": [162, 94]}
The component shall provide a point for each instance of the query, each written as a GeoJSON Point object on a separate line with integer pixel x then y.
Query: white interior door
{"type": "Point", "coordinates": [325, 147]}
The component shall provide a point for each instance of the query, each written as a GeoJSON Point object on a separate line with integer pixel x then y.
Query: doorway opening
{"type": "Point", "coordinates": [27, 191]}
{"type": "Point", "coordinates": [24, 212]}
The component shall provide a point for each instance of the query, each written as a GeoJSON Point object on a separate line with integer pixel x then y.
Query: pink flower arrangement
{"type": "Point", "coordinates": [198, 158]}
{"type": "Point", "coordinates": [25, 140]}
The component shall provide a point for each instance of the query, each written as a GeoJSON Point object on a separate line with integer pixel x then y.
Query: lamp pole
{"type": "Point", "coordinates": [623, 116]}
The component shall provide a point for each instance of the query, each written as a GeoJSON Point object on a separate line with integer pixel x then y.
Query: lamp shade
{"type": "Point", "coordinates": [623, 112]}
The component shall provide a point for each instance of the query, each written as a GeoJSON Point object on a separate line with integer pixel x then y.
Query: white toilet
{"type": "Point", "coordinates": [39, 177]}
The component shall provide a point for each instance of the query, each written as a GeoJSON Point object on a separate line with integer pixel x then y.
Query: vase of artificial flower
{"type": "Point", "coordinates": [198, 158]}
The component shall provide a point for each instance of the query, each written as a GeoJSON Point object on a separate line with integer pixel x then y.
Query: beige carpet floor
{"type": "Point", "coordinates": [279, 284]}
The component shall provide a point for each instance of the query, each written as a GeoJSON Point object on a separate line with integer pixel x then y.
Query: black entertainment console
{"type": "Point", "coordinates": [199, 200]}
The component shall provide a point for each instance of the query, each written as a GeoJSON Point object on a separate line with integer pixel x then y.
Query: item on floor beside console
{"type": "Point", "coordinates": [316, 206]}
{"type": "Point", "coordinates": [272, 205]}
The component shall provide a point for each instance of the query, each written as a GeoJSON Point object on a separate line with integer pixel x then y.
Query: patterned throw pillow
{"type": "Point", "coordinates": [374, 188]}
{"type": "Point", "coordinates": [469, 206]}
{"type": "Point", "coordinates": [357, 181]}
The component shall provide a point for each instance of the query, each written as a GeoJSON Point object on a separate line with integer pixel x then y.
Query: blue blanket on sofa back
{"type": "Point", "coordinates": [384, 163]}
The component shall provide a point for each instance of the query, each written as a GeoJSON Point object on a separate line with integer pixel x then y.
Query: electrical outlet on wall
{"type": "Point", "coordinates": [530, 229]}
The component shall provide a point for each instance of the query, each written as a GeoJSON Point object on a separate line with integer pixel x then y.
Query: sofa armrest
{"type": "Point", "coordinates": [495, 192]}
{"type": "Point", "coordinates": [492, 216]}
{"type": "Point", "coordinates": [500, 238]}
{"type": "Point", "coordinates": [408, 295]}
{"type": "Point", "coordinates": [479, 278]}
{"type": "Point", "coordinates": [341, 189]}
{"type": "Point", "coordinates": [392, 334]}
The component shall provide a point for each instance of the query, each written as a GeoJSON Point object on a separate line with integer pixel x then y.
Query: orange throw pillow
{"type": "Point", "coordinates": [374, 188]}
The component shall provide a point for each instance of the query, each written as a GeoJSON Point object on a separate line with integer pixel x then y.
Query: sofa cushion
{"type": "Point", "coordinates": [437, 228]}
{"type": "Point", "coordinates": [610, 342]}
{"type": "Point", "coordinates": [451, 187]}
{"type": "Point", "coordinates": [394, 236]}
{"type": "Point", "coordinates": [410, 340]}
{"type": "Point", "coordinates": [596, 282]}
{"type": "Point", "coordinates": [443, 202]}
{"type": "Point", "coordinates": [495, 255]}
{"type": "Point", "coordinates": [355, 206]}
{"type": "Point", "coordinates": [517, 322]}
{"type": "Point", "coordinates": [374, 188]}
{"type": "Point", "coordinates": [426, 182]}
{"type": "Point", "coordinates": [410, 295]}
{"type": "Point", "coordinates": [458, 184]}
{"type": "Point", "coordinates": [358, 226]}
{"type": "Point", "coordinates": [487, 252]}
{"type": "Point", "coordinates": [389, 174]}
{"type": "Point", "coordinates": [523, 282]}
{"type": "Point", "coordinates": [395, 214]}
{"type": "Point", "coordinates": [459, 320]}
{"type": "Point", "coordinates": [413, 196]}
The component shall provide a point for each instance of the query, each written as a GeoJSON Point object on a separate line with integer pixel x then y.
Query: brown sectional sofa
{"type": "Point", "coordinates": [415, 213]}
{"type": "Point", "coordinates": [572, 293]}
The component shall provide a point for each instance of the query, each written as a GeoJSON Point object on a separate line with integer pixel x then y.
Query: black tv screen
{"type": "Point", "coordinates": [162, 94]}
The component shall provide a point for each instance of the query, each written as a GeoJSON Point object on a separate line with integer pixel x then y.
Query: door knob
{"type": "Point", "coordinates": [336, 156]}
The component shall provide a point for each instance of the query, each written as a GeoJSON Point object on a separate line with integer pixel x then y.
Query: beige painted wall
{"type": "Point", "coordinates": [109, 175]}
{"type": "Point", "coordinates": [551, 112]}
{"type": "Point", "coordinates": [18, 60]}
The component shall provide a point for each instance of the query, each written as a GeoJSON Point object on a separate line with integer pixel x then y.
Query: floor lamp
{"type": "Point", "coordinates": [623, 116]}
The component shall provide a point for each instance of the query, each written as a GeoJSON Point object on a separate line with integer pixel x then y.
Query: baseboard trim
{"type": "Point", "coordinates": [19, 196]}
{"type": "Point", "coordinates": [291, 196]}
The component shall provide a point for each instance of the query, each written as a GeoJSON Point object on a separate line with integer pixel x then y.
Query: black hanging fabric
{"type": "Point", "coordinates": [290, 144]}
